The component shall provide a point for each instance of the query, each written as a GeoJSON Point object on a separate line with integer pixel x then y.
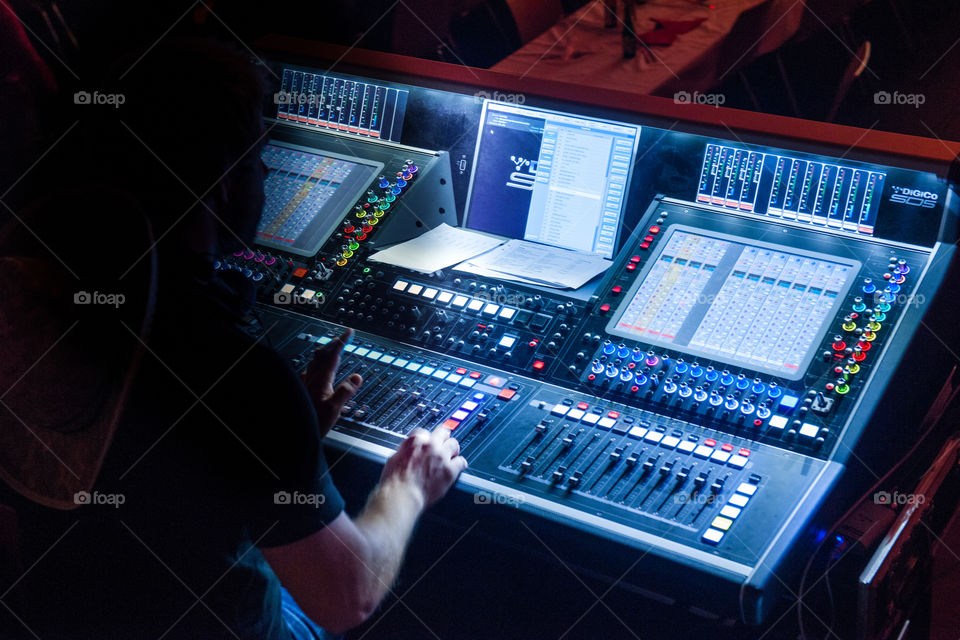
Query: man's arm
{"type": "Point", "coordinates": [340, 574]}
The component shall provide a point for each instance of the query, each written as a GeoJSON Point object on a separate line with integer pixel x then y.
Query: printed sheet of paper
{"type": "Point", "coordinates": [537, 263]}
{"type": "Point", "coordinates": [439, 248]}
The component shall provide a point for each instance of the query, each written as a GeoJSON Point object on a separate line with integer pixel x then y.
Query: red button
{"type": "Point", "coordinates": [451, 424]}
{"type": "Point", "coordinates": [710, 442]}
{"type": "Point", "coordinates": [727, 447]}
{"type": "Point", "coordinates": [644, 245]}
{"type": "Point", "coordinates": [631, 266]}
{"type": "Point", "coordinates": [538, 365]}
{"type": "Point", "coordinates": [583, 406]}
{"type": "Point", "coordinates": [616, 290]}
{"type": "Point", "coordinates": [613, 414]}
{"type": "Point", "coordinates": [475, 375]}
{"type": "Point", "coordinates": [635, 259]}
{"type": "Point", "coordinates": [461, 371]}
{"type": "Point", "coordinates": [654, 230]}
{"type": "Point", "coordinates": [299, 272]}
{"type": "Point", "coordinates": [506, 394]}
{"type": "Point", "coordinates": [532, 344]}
{"type": "Point", "coordinates": [604, 308]}
{"type": "Point", "coordinates": [648, 239]}
{"type": "Point", "coordinates": [744, 452]}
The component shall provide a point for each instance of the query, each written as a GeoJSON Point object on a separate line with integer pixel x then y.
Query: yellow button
{"type": "Point", "coordinates": [721, 523]}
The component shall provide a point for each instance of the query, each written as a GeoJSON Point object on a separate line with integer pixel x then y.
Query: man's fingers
{"type": "Point", "coordinates": [326, 359]}
{"type": "Point", "coordinates": [440, 434]}
{"type": "Point", "coordinates": [329, 410]}
{"type": "Point", "coordinates": [459, 464]}
{"type": "Point", "coordinates": [451, 447]}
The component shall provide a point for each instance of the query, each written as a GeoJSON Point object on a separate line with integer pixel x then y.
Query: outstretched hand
{"type": "Point", "coordinates": [318, 379]}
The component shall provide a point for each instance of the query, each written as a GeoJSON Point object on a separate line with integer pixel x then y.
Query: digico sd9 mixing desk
{"type": "Point", "coordinates": [742, 361]}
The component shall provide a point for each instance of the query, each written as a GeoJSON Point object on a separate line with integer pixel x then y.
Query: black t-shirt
{"type": "Point", "coordinates": [189, 489]}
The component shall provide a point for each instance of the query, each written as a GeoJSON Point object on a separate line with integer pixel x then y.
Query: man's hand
{"type": "Point", "coordinates": [319, 376]}
{"type": "Point", "coordinates": [428, 462]}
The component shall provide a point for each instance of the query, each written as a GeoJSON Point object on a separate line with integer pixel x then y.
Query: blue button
{"type": "Point", "coordinates": [623, 351]}
{"type": "Point", "coordinates": [788, 402]}
{"type": "Point", "coordinates": [609, 348]}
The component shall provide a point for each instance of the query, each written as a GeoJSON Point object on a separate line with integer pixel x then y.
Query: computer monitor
{"type": "Point", "coordinates": [554, 178]}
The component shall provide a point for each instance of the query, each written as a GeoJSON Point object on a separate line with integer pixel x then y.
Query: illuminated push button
{"type": "Point", "coordinates": [670, 442]}
{"type": "Point", "coordinates": [653, 230]}
{"type": "Point", "coordinates": [720, 457]}
{"type": "Point", "coordinates": [616, 290]}
{"type": "Point", "coordinates": [868, 286]}
{"type": "Point", "coordinates": [400, 285]}
{"type": "Point", "coordinates": [703, 451]}
{"type": "Point", "coordinates": [444, 297]}
{"type": "Point", "coordinates": [738, 500]}
{"type": "Point", "coordinates": [809, 430]}
{"type": "Point", "coordinates": [490, 310]}
{"type": "Point", "coordinates": [729, 511]}
{"type": "Point", "coordinates": [653, 436]}
{"type": "Point", "coordinates": [430, 294]}
{"type": "Point", "coordinates": [637, 432]}
{"type": "Point", "coordinates": [778, 422]}
{"type": "Point", "coordinates": [415, 289]}
{"type": "Point", "coordinates": [789, 402]}
{"type": "Point", "coordinates": [591, 418]}
{"type": "Point", "coordinates": [738, 462]}
{"type": "Point", "coordinates": [747, 489]}
{"type": "Point", "coordinates": [687, 446]}
{"type": "Point", "coordinates": [507, 313]}
{"type": "Point", "coordinates": [460, 301]}
{"type": "Point", "coordinates": [475, 305]}
{"type": "Point", "coordinates": [606, 423]}
{"type": "Point", "coordinates": [575, 414]}
{"type": "Point", "coordinates": [712, 536]}
{"type": "Point", "coordinates": [560, 410]}
{"type": "Point", "coordinates": [721, 523]}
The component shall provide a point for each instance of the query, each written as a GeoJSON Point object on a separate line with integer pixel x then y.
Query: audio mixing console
{"type": "Point", "coordinates": [701, 399]}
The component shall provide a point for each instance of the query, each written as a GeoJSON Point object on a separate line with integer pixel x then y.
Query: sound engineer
{"type": "Point", "coordinates": [213, 513]}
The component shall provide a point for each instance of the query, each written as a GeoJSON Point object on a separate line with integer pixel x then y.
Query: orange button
{"type": "Point", "coordinates": [475, 375]}
{"type": "Point", "coordinates": [644, 245]}
{"type": "Point", "coordinates": [654, 230]}
{"type": "Point", "coordinates": [461, 371]}
{"type": "Point", "coordinates": [538, 364]}
{"type": "Point", "coordinates": [710, 442]}
{"type": "Point", "coordinates": [506, 394]}
{"type": "Point", "coordinates": [299, 272]}
{"type": "Point", "coordinates": [451, 424]}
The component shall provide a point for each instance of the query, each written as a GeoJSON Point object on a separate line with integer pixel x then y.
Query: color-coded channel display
{"type": "Point", "coordinates": [789, 188]}
{"type": "Point", "coordinates": [348, 106]}
{"type": "Point", "coordinates": [306, 193]}
{"type": "Point", "coordinates": [752, 304]}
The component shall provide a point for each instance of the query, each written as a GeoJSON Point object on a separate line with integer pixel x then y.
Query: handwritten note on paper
{"type": "Point", "coordinates": [531, 262]}
{"type": "Point", "coordinates": [439, 248]}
